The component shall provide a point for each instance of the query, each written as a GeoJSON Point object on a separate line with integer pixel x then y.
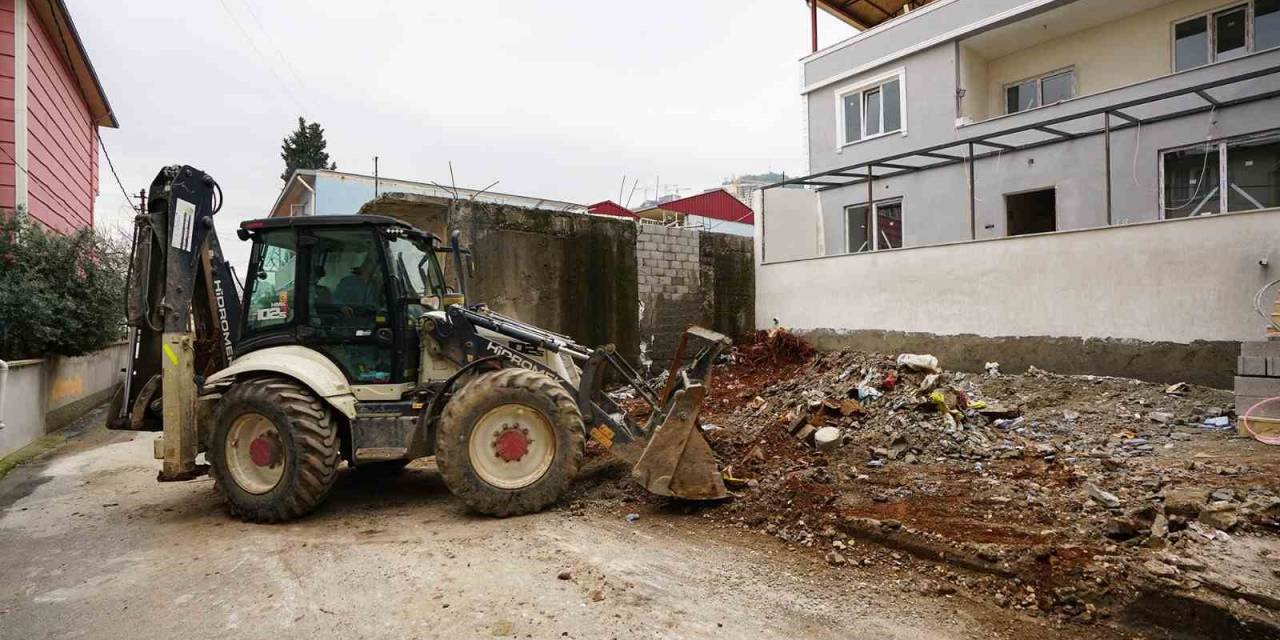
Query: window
{"type": "Point", "coordinates": [1226, 34]}
{"type": "Point", "coordinates": [271, 289]}
{"type": "Point", "coordinates": [875, 230]}
{"type": "Point", "coordinates": [1266, 24]}
{"type": "Point", "coordinates": [349, 319]}
{"type": "Point", "coordinates": [871, 109]}
{"type": "Point", "coordinates": [1232, 175]}
{"type": "Point", "coordinates": [1049, 89]}
{"type": "Point", "coordinates": [1031, 212]}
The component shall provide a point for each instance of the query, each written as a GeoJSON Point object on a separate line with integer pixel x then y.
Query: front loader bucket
{"type": "Point", "coordinates": [668, 455]}
{"type": "Point", "coordinates": [677, 461]}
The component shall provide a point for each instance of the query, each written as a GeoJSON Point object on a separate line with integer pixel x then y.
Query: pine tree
{"type": "Point", "coordinates": [304, 149]}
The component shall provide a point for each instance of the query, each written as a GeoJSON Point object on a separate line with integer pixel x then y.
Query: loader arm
{"type": "Point", "coordinates": [183, 314]}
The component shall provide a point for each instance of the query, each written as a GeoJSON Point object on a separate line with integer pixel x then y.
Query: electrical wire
{"type": "Point", "coordinates": [245, 33]}
{"type": "Point", "coordinates": [1257, 304]}
{"type": "Point", "coordinates": [73, 224]}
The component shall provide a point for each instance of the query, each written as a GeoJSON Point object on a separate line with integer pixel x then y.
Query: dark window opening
{"type": "Point", "coordinates": [1229, 33]}
{"type": "Point", "coordinates": [889, 225]}
{"type": "Point", "coordinates": [1191, 184]}
{"type": "Point", "coordinates": [858, 224]}
{"type": "Point", "coordinates": [1032, 212]}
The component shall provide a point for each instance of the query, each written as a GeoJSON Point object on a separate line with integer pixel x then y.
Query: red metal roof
{"type": "Point", "coordinates": [718, 204]}
{"type": "Point", "coordinates": [611, 208]}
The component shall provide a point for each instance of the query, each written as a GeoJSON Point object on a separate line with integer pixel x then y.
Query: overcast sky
{"type": "Point", "coordinates": [553, 98]}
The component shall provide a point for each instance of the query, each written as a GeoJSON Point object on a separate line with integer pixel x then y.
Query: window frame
{"type": "Point", "coordinates": [1039, 80]}
{"type": "Point", "coordinates": [861, 88]}
{"type": "Point", "coordinates": [1211, 42]}
{"type": "Point", "coordinates": [1222, 147]}
{"type": "Point", "coordinates": [872, 215]}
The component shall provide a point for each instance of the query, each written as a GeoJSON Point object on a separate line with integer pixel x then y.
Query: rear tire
{"type": "Point", "coordinates": [531, 427]}
{"type": "Point", "coordinates": [274, 452]}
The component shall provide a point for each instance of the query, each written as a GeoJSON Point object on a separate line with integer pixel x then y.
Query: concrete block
{"type": "Point", "coordinates": [1261, 348]}
{"type": "Point", "coordinates": [1273, 366]}
{"type": "Point", "coordinates": [1251, 366]}
{"type": "Point", "coordinates": [1257, 387]}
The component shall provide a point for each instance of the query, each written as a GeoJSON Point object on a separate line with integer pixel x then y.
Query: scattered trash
{"type": "Point", "coordinates": [867, 393]}
{"type": "Point", "coordinates": [1219, 422]}
{"type": "Point", "coordinates": [632, 517]}
{"type": "Point", "coordinates": [1177, 389]}
{"type": "Point", "coordinates": [992, 369]}
{"type": "Point", "coordinates": [917, 362]}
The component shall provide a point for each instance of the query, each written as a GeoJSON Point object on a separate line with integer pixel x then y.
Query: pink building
{"type": "Point", "coordinates": [51, 105]}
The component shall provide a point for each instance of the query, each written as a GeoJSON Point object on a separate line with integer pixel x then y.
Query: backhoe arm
{"type": "Point", "coordinates": [183, 314]}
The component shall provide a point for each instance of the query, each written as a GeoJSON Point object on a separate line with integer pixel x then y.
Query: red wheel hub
{"type": "Point", "coordinates": [511, 444]}
{"type": "Point", "coordinates": [264, 451]}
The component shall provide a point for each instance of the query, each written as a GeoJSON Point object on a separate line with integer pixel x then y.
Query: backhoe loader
{"type": "Point", "coordinates": [347, 345]}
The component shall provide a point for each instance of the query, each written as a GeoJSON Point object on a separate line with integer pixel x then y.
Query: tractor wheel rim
{"type": "Point", "coordinates": [512, 446]}
{"type": "Point", "coordinates": [254, 453]}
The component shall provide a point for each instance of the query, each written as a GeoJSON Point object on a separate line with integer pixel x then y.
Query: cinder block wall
{"type": "Point", "coordinates": [670, 282]}
{"type": "Point", "coordinates": [691, 277]}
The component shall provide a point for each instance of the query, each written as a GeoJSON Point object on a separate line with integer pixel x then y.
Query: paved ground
{"type": "Point", "coordinates": [91, 546]}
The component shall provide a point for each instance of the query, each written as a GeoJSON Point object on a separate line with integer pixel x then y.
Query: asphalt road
{"type": "Point", "coordinates": [92, 547]}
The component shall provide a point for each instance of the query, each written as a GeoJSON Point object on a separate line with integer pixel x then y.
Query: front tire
{"type": "Point", "coordinates": [510, 442]}
{"type": "Point", "coordinates": [274, 453]}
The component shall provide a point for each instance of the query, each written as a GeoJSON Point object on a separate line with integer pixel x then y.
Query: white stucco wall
{"type": "Point", "coordinates": [788, 224]}
{"type": "Point", "coordinates": [1177, 280]}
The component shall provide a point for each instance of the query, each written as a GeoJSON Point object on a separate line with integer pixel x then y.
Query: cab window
{"type": "Point", "coordinates": [414, 267]}
{"type": "Point", "coordinates": [272, 287]}
{"type": "Point", "coordinates": [348, 291]}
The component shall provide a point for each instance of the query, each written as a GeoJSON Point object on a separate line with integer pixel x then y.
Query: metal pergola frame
{"type": "Point", "coordinates": [967, 150]}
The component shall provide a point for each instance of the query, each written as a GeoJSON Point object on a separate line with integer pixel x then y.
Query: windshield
{"type": "Point", "coordinates": [414, 264]}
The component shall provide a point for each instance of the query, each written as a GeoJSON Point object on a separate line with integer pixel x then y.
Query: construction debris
{"type": "Point", "coordinates": [1063, 481]}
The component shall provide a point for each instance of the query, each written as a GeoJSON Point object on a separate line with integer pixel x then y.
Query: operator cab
{"type": "Point", "coordinates": [352, 288]}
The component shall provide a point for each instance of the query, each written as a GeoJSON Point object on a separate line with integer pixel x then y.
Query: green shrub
{"type": "Point", "coordinates": [60, 295]}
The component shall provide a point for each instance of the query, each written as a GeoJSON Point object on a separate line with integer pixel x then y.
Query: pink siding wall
{"type": "Point", "coordinates": [62, 140]}
{"type": "Point", "coordinates": [7, 200]}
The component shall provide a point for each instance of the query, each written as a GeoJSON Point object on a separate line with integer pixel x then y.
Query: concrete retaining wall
{"type": "Point", "coordinates": [569, 273]}
{"type": "Point", "coordinates": [45, 395]}
{"type": "Point", "coordinates": [600, 280]}
{"type": "Point", "coordinates": [1165, 301]}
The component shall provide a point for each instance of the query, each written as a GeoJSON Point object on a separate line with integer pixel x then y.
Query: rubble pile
{"type": "Point", "coordinates": [1076, 486]}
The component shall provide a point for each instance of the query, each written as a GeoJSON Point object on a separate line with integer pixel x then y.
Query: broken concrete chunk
{"type": "Point", "coordinates": [1220, 515]}
{"type": "Point", "coordinates": [919, 362]}
{"type": "Point", "coordinates": [1108, 500]}
{"type": "Point", "coordinates": [930, 381]}
{"type": "Point", "coordinates": [1160, 569]}
{"type": "Point", "coordinates": [1185, 502]}
{"type": "Point", "coordinates": [1161, 417]}
{"type": "Point", "coordinates": [834, 558]}
{"type": "Point", "coordinates": [827, 439]}
{"type": "Point", "coordinates": [805, 433]}
{"type": "Point", "coordinates": [1159, 526]}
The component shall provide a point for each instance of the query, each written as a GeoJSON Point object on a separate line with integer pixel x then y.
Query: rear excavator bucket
{"type": "Point", "coordinates": [669, 456]}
